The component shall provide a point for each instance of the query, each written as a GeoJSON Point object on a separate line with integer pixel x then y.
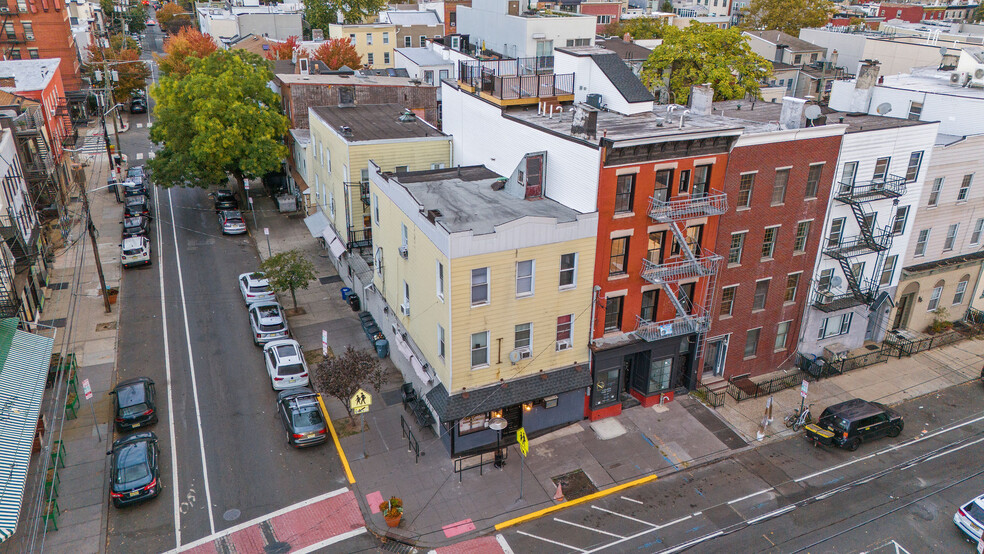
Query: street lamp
{"type": "Point", "coordinates": [498, 424]}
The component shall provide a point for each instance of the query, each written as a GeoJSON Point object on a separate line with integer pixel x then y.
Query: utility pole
{"type": "Point", "coordinates": [95, 247]}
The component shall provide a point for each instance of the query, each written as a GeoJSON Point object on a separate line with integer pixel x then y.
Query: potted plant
{"type": "Point", "coordinates": [392, 511]}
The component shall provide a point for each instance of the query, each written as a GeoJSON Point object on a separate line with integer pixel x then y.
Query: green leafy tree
{"type": "Point", "coordinates": [219, 119]}
{"type": "Point", "coordinates": [341, 376]}
{"type": "Point", "coordinates": [640, 28]}
{"type": "Point", "coordinates": [172, 18]}
{"type": "Point", "coordinates": [702, 53]}
{"type": "Point", "coordinates": [318, 14]}
{"type": "Point", "coordinates": [978, 13]}
{"type": "Point", "coordinates": [666, 6]}
{"type": "Point", "coordinates": [788, 16]}
{"type": "Point", "coordinates": [131, 71]}
{"type": "Point", "coordinates": [288, 271]}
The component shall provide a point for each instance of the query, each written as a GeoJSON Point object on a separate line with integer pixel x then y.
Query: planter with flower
{"type": "Point", "coordinates": [392, 511]}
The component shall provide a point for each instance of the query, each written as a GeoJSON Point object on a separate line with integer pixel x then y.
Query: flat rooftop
{"type": "Point", "coordinates": [340, 79]}
{"type": "Point", "coordinates": [467, 202]}
{"type": "Point", "coordinates": [931, 80]}
{"type": "Point", "coordinates": [375, 122]}
{"type": "Point", "coordinates": [768, 112]}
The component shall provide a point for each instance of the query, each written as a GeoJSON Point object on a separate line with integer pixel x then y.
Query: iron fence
{"type": "Point", "coordinates": [742, 388]}
{"type": "Point", "coordinates": [902, 346]}
{"type": "Point", "coordinates": [714, 399]}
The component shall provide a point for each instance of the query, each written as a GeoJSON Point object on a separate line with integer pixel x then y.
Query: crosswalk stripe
{"type": "Point", "coordinates": [139, 155]}
{"type": "Point", "coordinates": [139, 125]}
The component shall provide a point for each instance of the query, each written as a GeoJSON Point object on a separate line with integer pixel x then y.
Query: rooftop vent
{"type": "Point", "coordinates": [346, 131]}
{"type": "Point", "coordinates": [432, 215]}
{"type": "Point", "coordinates": [407, 117]}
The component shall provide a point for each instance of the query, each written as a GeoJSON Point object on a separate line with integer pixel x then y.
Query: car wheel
{"type": "Point", "coordinates": [896, 430]}
{"type": "Point", "coordinates": [854, 444]}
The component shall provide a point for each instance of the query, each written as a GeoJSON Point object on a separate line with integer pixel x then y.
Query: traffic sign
{"type": "Point", "coordinates": [324, 343]}
{"type": "Point", "coordinates": [805, 388]}
{"type": "Point", "coordinates": [245, 184]}
{"type": "Point", "coordinates": [86, 389]}
{"type": "Point", "coordinates": [266, 231]}
{"type": "Point", "coordinates": [524, 443]}
{"type": "Point", "coordinates": [360, 401]}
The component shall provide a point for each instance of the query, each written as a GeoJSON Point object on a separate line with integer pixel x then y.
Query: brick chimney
{"type": "Point", "coordinates": [8, 81]}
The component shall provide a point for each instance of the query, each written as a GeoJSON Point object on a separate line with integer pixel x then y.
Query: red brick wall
{"type": "Point", "coordinates": [765, 159]}
{"type": "Point", "coordinates": [913, 13]}
{"type": "Point", "coordinates": [613, 9]}
{"type": "Point", "coordinates": [450, 6]}
{"type": "Point", "coordinates": [52, 37]}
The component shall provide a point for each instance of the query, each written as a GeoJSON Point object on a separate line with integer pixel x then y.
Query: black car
{"type": "Point", "coordinates": [134, 403]}
{"type": "Point", "coordinates": [225, 199]}
{"type": "Point", "coordinates": [138, 105]}
{"type": "Point", "coordinates": [850, 423]}
{"type": "Point", "coordinates": [136, 205]}
{"type": "Point", "coordinates": [135, 474]}
{"type": "Point", "coordinates": [136, 175]}
{"type": "Point", "coordinates": [301, 416]}
{"type": "Point", "coordinates": [135, 225]}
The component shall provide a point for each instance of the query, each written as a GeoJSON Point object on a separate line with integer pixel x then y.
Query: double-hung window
{"type": "Point", "coordinates": [480, 349]}
{"type": "Point", "coordinates": [813, 180]}
{"type": "Point", "coordinates": [935, 192]}
{"type": "Point", "coordinates": [619, 257]}
{"type": "Point", "coordinates": [912, 171]}
{"type": "Point", "coordinates": [965, 187]}
{"type": "Point", "coordinates": [564, 332]}
{"type": "Point", "coordinates": [737, 245]}
{"type": "Point", "coordinates": [779, 186]}
{"type": "Point", "coordinates": [624, 189]}
{"type": "Point", "coordinates": [568, 270]}
{"type": "Point", "coordinates": [745, 190]}
{"type": "Point", "coordinates": [613, 313]}
{"type": "Point", "coordinates": [480, 286]}
{"type": "Point", "coordinates": [802, 235]}
{"type": "Point", "coordinates": [524, 278]}
{"type": "Point", "coordinates": [921, 241]}
{"type": "Point", "coordinates": [769, 242]}
{"type": "Point", "coordinates": [523, 339]}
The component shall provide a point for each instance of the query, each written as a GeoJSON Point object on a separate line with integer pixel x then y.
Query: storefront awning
{"type": "Point", "coordinates": [316, 223]}
{"type": "Point", "coordinates": [334, 243]}
{"type": "Point", "coordinates": [24, 370]}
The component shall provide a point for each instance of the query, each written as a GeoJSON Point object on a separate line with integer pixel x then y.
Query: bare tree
{"type": "Point", "coordinates": [341, 376]}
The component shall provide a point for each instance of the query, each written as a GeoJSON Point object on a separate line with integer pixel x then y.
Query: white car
{"type": "Point", "coordinates": [135, 251]}
{"type": "Point", "coordinates": [970, 518]}
{"type": "Point", "coordinates": [268, 322]}
{"type": "Point", "coordinates": [285, 364]}
{"type": "Point", "coordinates": [256, 288]}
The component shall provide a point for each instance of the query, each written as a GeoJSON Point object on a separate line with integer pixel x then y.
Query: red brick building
{"type": "Point", "coordinates": [605, 12]}
{"type": "Point", "coordinates": [451, 15]}
{"type": "Point", "coordinates": [913, 13]}
{"type": "Point", "coordinates": [778, 185]}
{"type": "Point", "coordinates": [39, 29]}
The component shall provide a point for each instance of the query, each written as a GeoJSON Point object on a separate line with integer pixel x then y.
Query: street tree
{"type": "Point", "coordinates": [285, 50]}
{"type": "Point", "coordinates": [187, 43]}
{"type": "Point", "coordinates": [217, 120]}
{"type": "Point", "coordinates": [788, 16]}
{"type": "Point", "coordinates": [702, 53]}
{"type": "Point", "coordinates": [172, 18]}
{"type": "Point", "coordinates": [319, 14]}
{"type": "Point", "coordinates": [131, 71]}
{"type": "Point", "coordinates": [341, 376]}
{"type": "Point", "coordinates": [337, 52]}
{"type": "Point", "coordinates": [640, 28]}
{"type": "Point", "coordinates": [288, 271]}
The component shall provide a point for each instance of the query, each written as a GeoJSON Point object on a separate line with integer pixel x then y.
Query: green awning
{"type": "Point", "coordinates": [24, 360]}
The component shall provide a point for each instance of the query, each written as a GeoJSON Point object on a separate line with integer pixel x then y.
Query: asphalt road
{"type": "Point", "coordinates": [224, 456]}
{"type": "Point", "coordinates": [793, 497]}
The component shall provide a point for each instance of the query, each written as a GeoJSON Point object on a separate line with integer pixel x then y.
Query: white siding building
{"type": "Point", "coordinates": [490, 24]}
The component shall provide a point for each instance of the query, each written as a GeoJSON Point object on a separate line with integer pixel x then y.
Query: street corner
{"type": "Point", "coordinates": [482, 545]}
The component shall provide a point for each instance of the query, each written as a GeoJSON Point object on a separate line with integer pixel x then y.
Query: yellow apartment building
{"type": "Point", "coordinates": [488, 290]}
{"type": "Point", "coordinates": [373, 41]}
{"type": "Point", "coordinates": [342, 141]}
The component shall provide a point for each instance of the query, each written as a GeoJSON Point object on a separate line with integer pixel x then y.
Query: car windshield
{"type": "Point", "coordinates": [132, 222]}
{"type": "Point", "coordinates": [136, 409]}
{"type": "Point", "coordinates": [290, 369]}
{"type": "Point", "coordinates": [975, 511]}
{"type": "Point", "coordinates": [305, 416]}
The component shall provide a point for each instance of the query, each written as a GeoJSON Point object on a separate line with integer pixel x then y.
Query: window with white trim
{"type": "Point", "coordinates": [921, 242]}
{"type": "Point", "coordinates": [951, 237]}
{"type": "Point", "coordinates": [375, 208]}
{"type": "Point", "coordinates": [480, 286]}
{"type": "Point", "coordinates": [935, 192]}
{"type": "Point", "coordinates": [975, 237]}
{"type": "Point", "coordinates": [568, 270]}
{"type": "Point", "coordinates": [782, 335]}
{"type": "Point", "coordinates": [836, 325]}
{"type": "Point", "coordinates": [440, 341]}
{"type": "Point", "coordinates": [524, 277]}
{"type": "Point", "coordinates": [523, 339]}
{"type": "Point", "coordinates": [965, 187]}
{"type": "Point", "coordinates": [958, 296]}
{"type": "Point", "coordinates": [565, 325]}
{"type": "Point", "coordinates": [934, 298]}
{"type": "Point", "coordinates": [440, 280]}
{"type": "Point", "coordinates": [480, 350]}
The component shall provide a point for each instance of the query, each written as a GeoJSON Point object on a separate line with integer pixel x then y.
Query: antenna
{"type": "Point", "coordinates": [883, 108]}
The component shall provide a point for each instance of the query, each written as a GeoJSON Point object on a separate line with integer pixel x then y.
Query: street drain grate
{"type": "Point", "coordinates": [392, 544]}
{"type": "Point", "coordinates": [106, 326]}
{"type": "Point", "coordinates": [575, 484]}
{"type": "Point", "coordinates": [330, 279]}
{"type": "Point", "coordinates": [872, 347]}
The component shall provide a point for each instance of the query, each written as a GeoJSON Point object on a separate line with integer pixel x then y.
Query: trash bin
{"type": "Point", "coordinates": [353, 301]}
{"type": "Point", "coordinates": [346, 292]}
{"type": "Point", "coordinates": [382, 348]}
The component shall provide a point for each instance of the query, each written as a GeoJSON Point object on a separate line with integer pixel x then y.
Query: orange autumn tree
{"type": "Point", "coordinates": [337, 52]}
{"type": "Point", "coordinates": [284, 50]}
{"type": "Point", "coordinates": [188, 43]}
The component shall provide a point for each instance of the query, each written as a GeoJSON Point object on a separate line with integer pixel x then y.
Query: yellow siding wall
{"type": "Point", "coordinates": [504, 311]}
{"type": "Point", "coordinates": [379, 48]}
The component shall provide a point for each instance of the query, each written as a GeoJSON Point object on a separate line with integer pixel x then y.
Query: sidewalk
{"type": "Point", "coordinates": [891, 382]}
{"type": "Point", "coordinates": [443, 507]}
{"type": "Point", "coordinates": [81, 327]}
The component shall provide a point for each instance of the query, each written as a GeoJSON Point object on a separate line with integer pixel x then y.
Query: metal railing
{"type": "Point", "coordinates": [514, 87]}
{"type": "Point", "coordinates": [713, 203]}
{"type": "Point", "coordinates": [891, 186]}
{"type": "Point", "coordinates": [649, 331]}
{"type": "Point", "coordinates": [358, 238]}
{"type": "Point", "coordinates": [471, 71]}
{"type": "Point", "coordinates": [859, 244]}
{"type": "Point", "coordinates": [902, 346]}
{"type": "Point", "coordinates": [412, 444]}
{"type": "Point", "coordinates": [706, 264]}
{"type": "Point", "coordinates": [714, 399]}
{"type": "Point", "coordinates": [742, 388]}
{"type": "Point", "coordinates": [479, 461]}
{"type": "Point", "coordinates": [974, 317]}
{"type": "Point", "coordinates": [830, 300]}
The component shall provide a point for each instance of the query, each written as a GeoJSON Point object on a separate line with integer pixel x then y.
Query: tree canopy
{"type": "Point", "coordinates": [172, 18]}
{"type": "Point", "coordinates": [702, 53]}
{"type": "Point", "coordinates": [219, 119]}
{"type": "Point", "coordinates": [284, 50]}
{"type": "Point", "coordinates": [337, 52]}
{"type": "Point", "coordinates": [788, 16]}
{"type": "Point", "coordinates": [132, 72]}
{"type": "Point", "coordinates": [640, 28]}
{"type": "Point", "coordinates": [320, 13]}
{"type": "Point", "coordinates": [288, 271]}
{"type": "Point", "coordinates": [341, 376]}
{"type": "Point", "coordinates": [187, 43]}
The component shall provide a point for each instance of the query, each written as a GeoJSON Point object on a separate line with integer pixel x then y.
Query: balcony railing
{"type": "Point", "coordinates": [471, 71]}
{"type": "Point", "coordinates": [829, 300]}
{"type": "Point", "coordinates": [359, 238]}
{"type": "Point", "coordinates": [679, 326]}
{"type": "Point", "coordinates": [858, 245]}
{"type": "Point", "coordinates": [706, 264]}
{"type": "Point", "coordinates": [665, 211]}
{"type": "Point", "coordinates": [891, 186]}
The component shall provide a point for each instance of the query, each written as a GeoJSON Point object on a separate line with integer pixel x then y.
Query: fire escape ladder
{"type": "Point", "coordinates": [700, 339]}
{"type": "Point", "coordinates": [680, 239]}
{"type": "Point", "coordinates": [853, 284]}
{"type": "Point", "coordinates": [672, 291]}
{"type": "Point", "coordinates": [866, 227]}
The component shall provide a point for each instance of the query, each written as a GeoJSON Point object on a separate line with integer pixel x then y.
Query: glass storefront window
{"type": "Point", "coordinates": [659, 374]}
{"type": "Point", "coordinates": [605, 389]}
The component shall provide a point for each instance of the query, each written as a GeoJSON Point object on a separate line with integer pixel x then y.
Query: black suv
{"type": "Point", "coordinates": [225, 200]}
{"type": "Point", "coordinates": [134, 226]}
{"type": "Point", "coordinates": [135, 474]}
{"type": "Point", "coordinates": [134, 401]}
{"type": "Point", "coordinates": [136, 205]}
{"type": "Point", "coordinates": [850, 423]}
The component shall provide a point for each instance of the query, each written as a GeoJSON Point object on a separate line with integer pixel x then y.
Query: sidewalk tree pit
{"type": "Point", "coordinates": [341, 376]}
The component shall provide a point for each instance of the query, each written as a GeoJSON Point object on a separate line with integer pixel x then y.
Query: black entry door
{"type": "Point", "coordinates": [514, 418]}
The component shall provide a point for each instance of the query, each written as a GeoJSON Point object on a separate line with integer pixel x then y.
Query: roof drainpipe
{"type": "Point", "coordinates": [594, 304]}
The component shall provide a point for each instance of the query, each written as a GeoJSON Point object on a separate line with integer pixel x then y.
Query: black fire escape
{"type": "Point", "coordinates": [359, 236]}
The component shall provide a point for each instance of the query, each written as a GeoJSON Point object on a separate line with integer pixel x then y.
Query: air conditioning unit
{"type": "Point", "coordinates": [404, 252]}
{"type": "Point", "coordinates": [977, 79]}
{"type": "Point", "coordinates": [520, 354]}
{"type": "Point", "coordinates": [825, 296]}
{"type": "Point", "coordinates": [959, 78]}
{"type": "Point", "coordinates": [564, 344]}
{"type": "Point", "coordinates": [835, 352]}
{"type": "Point", "coordinates": [405, 309]}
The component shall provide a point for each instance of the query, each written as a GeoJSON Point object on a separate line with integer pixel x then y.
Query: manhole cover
{"type": "Point", "coordinates": [231, 515]}
{"type": "Point", "coordinates": [106, 326]}
{"type": "Point", "coordinates": [575, 484]}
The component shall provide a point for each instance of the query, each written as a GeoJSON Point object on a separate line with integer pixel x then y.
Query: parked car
{"type": "Point", "coordinates": [151, 23]}
{"type": "Point", "coordinates": [850, 423]}
{"type": "Point", "coordinates": [267, 322]}
{"type": "Point", "coordinates": [255, 288]}
{"type": "Point", "coordinates": [136, 175]}
{"type": "Point", "coordinates": [970, 518]}
{"type": "Point", "coordinates": [225, 199]}
{"type": "Point", "coordinates": [135, 251]}
{"type": "Point", "coordinates": [135, 226]}
{"type": "Point", "coordinates": [301, 415]}
{"type": "Point", "coordinates": [134, 471]}
{"type": "Point", "coordinates": [134, 403]}
{"type": "Point", "coordinates": [138, 105]}
{"type": "Point", "coordinates": [136, 205]}
{"type": "Point", "coordinates": [285, 364]}
{"type": "Point", "coordinates": [232, 223]}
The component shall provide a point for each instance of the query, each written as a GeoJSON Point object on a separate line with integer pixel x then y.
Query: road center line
{"type": "Point", "coordinates": [550, 541]}
{"type": "Point", "coordinates": [630, 518]}
{"type": "Point", "coordinates": [167, 373]}
{"type": "Point", "coordinates": [191, 366]}
{"type": "Point", "coordinates": [558, 520]}
{"type": "Point", "coordinates": [746, 497]}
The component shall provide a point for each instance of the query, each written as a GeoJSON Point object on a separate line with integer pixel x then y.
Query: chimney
{"type": "Point", "coordinates": [585, 123]}
{"type": "Point", "coordinates": [791, 116]}
{"type": "Point", "coordinates": [627, 37]}
{"type": "Point", "coordinates": [833, 59]}
{"type": "Point", "coordinates": [318, 35]}
{"type": "Point", "coordinates": [701, 99]}
{"type": "Point", "coordinates": [866, 80]}
{"type": "Point", "coordinates": [780, 50]}
{"type": "Point", "coordinates": [8, 81]}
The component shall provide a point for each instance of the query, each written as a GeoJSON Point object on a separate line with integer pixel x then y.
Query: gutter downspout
{"type": "Point", "coordinates": [594, 304]}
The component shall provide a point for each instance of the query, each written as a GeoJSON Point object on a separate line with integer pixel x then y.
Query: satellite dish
{"type": "Point", "coordinates": [835, 281]}
{"type": "Point", "coordinates": [812, 111]}
{"type": "Point", "coordinates": [514, 356]}
{"type": "Point", "coordinates": [883, 108]}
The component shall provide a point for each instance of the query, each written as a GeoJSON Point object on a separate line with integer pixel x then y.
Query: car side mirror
{"type": "Point", "coordinates": [109, 452]}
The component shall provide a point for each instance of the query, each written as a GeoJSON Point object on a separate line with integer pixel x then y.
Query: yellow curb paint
{"type": "Point", "coordinates": [338, 445]}
{"type": "Point", "coordinates": [575, 502]}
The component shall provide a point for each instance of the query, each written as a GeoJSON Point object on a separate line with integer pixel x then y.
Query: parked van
{"type": "Point", "coordinates": [135, 251]}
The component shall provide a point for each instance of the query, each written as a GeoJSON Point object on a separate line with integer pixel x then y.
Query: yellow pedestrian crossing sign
{"type": "Point", "coordinates": [360, 401]}
{"type": "Point", "coordinates": [524, 443]}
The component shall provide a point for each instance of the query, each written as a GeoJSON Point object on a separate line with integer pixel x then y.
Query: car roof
{"type": "Point", "coordinates": [294, 358]}
{"type": "Point", "coordinates": [294, 391]}
{"type": "Point", "coordinates": [255, 280]}
{"type": "Point", "coordinates": [258, 305]}
{"type": "Point", "coordinates": [130, 393]}
{"type": "Point", "coordinates": [856, 408]}
{"type": "Point", "coordinates": [232, 213]}
{"type": "Point", "coordinates": [133, 242]}
{"type": "Point", "coordinates": [224, 192]}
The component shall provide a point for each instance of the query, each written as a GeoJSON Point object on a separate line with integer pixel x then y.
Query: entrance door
{"type": "Point", "coordinates": [717, 352]}
{"type": "Point", "coordinates": [902, 311]}
{"type": "Point", "coordinates": [628, 362]}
